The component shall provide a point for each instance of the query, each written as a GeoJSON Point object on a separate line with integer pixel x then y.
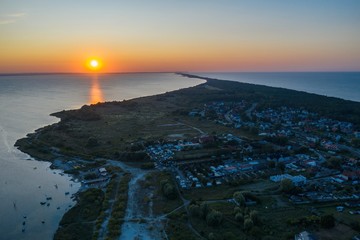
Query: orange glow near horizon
{"type": "Point", "coordinates": [96, 94]}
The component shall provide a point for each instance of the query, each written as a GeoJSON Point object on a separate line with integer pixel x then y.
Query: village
{"type": "Point", "coordinates": [315, 153]}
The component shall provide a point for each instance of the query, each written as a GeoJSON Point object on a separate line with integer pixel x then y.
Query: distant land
{"type": "Point", "coordinates": [221, 160]}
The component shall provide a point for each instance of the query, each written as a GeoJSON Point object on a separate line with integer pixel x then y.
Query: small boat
{"type": "Point", "coordinates": [58, 208]}
{"type": "Point", "coordinates": [56, 186]}
{"type": "Point", "coordinates": [24, 222]}
{"type": "Point", "coordinates": [42, 222]}
{"type": "Point", "coordinates": [49, 198]}
{"type": "Point", "coordinates": [42, 203]}
{"type": "Point", "coordinates": [48, 204]}
{"type": "Point", "coordinates": [25, 217]}
{"type": "Point", "coordinates": [23, 230]}
{"type": "Point", "coordinates": [67, 193]}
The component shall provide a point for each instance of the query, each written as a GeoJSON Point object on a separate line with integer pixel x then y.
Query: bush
{"type": "Point", "coordinates": [239, 217]}
{"type": "Point", "coordinates": [204, 210]}
{"type": "Point", "coordinates": [214, 218]}
{"type": "Point", "coordinates": [254, 216]}
{"type": "Point", "coordinates": [248, 224]}
{"type": "Point", "coordinates": [194, 210]}
{"type": "Point", "coordinates": [327, 221]}
{"type": "Point", "coordinates": [287, 185]}
{"type": "Point", "coordinates": [239, 198]}
{"type": "Point", "coordinates": [169, 191]}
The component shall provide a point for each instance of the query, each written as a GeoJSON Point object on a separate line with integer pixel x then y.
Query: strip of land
{"type": "Point", "coordinates": [220, 160]}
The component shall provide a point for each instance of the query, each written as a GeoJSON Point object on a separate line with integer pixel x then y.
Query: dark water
{"type": "Point", "coordinates": [345, 85]}
{"type": "Point", "coordinates": [25, 105]}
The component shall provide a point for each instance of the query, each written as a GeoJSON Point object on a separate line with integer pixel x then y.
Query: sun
{"type": "Point", "coordinates": [94, 64]}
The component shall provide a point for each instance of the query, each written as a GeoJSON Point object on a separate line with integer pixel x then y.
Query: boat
{"type": "Point", "coordinates": [48, 204]}
{"type": "Point", "coordinates": [49, 198]}
{"type": "Point", "coordinates": [42, 203]}
{"type": "Point", "coordinates": [67, 193]}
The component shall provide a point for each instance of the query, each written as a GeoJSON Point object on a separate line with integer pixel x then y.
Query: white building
{"type": "Point", "coordinates": [297, 180]}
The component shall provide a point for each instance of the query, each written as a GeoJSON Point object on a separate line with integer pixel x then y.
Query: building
{"type": "Point", "coordinates": [296, 180]}
{"type": "Point", "coordinates": [305, 236]}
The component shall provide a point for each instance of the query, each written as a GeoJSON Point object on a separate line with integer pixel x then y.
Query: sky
{"type": "Point", "coordinates": [183, 35]}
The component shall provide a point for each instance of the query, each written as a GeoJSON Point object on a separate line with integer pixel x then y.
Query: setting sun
{"type": "Point", "coordinates": [94, 64]}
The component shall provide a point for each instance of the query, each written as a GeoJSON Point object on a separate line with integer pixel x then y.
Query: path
{"type": "Point", "coordinates": [137, 225]}
{"type": "Point", "coordinates": [249, 111]}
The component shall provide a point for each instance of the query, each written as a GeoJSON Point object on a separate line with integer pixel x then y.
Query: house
{"type": "Point", "coordinates": [206, 139]}
{"type": "Point", "coordinates": [351, 175]}
{"type": "Point", "coordinates": [297, 180]}
{"type": "Point", "coordinates": [305, 236]}
{"type": "Point", "coordinates": [103, 171]}
{"type": "Point", "coordinates": [340, 208]}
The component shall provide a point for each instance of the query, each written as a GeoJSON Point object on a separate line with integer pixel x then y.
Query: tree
{"type": "Point", "coordinates": [271, 164]}
{"type": "Point", "coordinates": [239, 198]}
{"type": "Point", "coordinates": [212, 236]}
{"type": "Point", "coordinates": [287, 185]}
{"type": "Point", "coordinates": [92, 142]}
{"type": "Point", "coordinates": [237, 210]}
{"type": "Point", "coordinates": [169, 190]}
{"type": "Point", "coordinates": [327, 221]}
{"type": "Point", "coordinates": [239, 217]}
{"type": "Point", "coordinates": [214, 218]}
{"type": "Point", "coordinates": [254, 216]}
{"type": "Point", "coordinates": [194, 210]}
{"type": "Point", "coordinates": [204, 210]}
{"type": "Point", "coordinates": [229, 236]}
{"type": "Point", "coordinates": [334, 162]}
{"type": "Point", "coordinates": [248, 223]}
{"type": "Point", "coordinates": [281, 166]}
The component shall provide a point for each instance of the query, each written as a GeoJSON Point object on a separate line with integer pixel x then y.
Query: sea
{"type": "Point", "coordinates": [345, 85]}
{"type": "Point", "coordinates": [27, 100]}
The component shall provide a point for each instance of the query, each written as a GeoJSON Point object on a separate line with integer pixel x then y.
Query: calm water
{"type": "Point", "coordinates": [334, 84]}
{"type": "Point", "coordinates": [25, 105]}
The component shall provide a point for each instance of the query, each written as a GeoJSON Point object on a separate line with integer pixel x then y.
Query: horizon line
{"type": "Point", "coordinates": [177, 72]}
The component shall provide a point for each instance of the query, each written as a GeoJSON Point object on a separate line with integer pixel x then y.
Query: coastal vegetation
{"type": "Point", "coordinates": [77, 223]}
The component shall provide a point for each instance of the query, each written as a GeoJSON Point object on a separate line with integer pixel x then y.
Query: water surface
{"type": "Point", "coordinates": [345, 85]}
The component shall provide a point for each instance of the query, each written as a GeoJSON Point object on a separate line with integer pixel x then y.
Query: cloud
{"type": "Point", "coordinates": [6, 21]}
{"type": "Point", "coordinates": [16, 15]}
{"type": "Point", "coordinates": [11, 18]}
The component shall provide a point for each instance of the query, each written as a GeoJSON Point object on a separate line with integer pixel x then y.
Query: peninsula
{"type": "Point", "coordinates": [221, 160]}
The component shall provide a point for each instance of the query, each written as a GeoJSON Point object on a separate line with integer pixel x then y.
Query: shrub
{"type": "Point", "coordinates": [327, 221]}
{"type": "Point", "coordinates": [214, 218]}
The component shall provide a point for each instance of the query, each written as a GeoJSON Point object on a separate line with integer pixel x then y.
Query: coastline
{"type": "Point", "coordinates": [86, 151]}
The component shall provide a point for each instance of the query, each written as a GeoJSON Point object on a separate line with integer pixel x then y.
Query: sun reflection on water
{"type": "Point", "coordinates": [96, 94]}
